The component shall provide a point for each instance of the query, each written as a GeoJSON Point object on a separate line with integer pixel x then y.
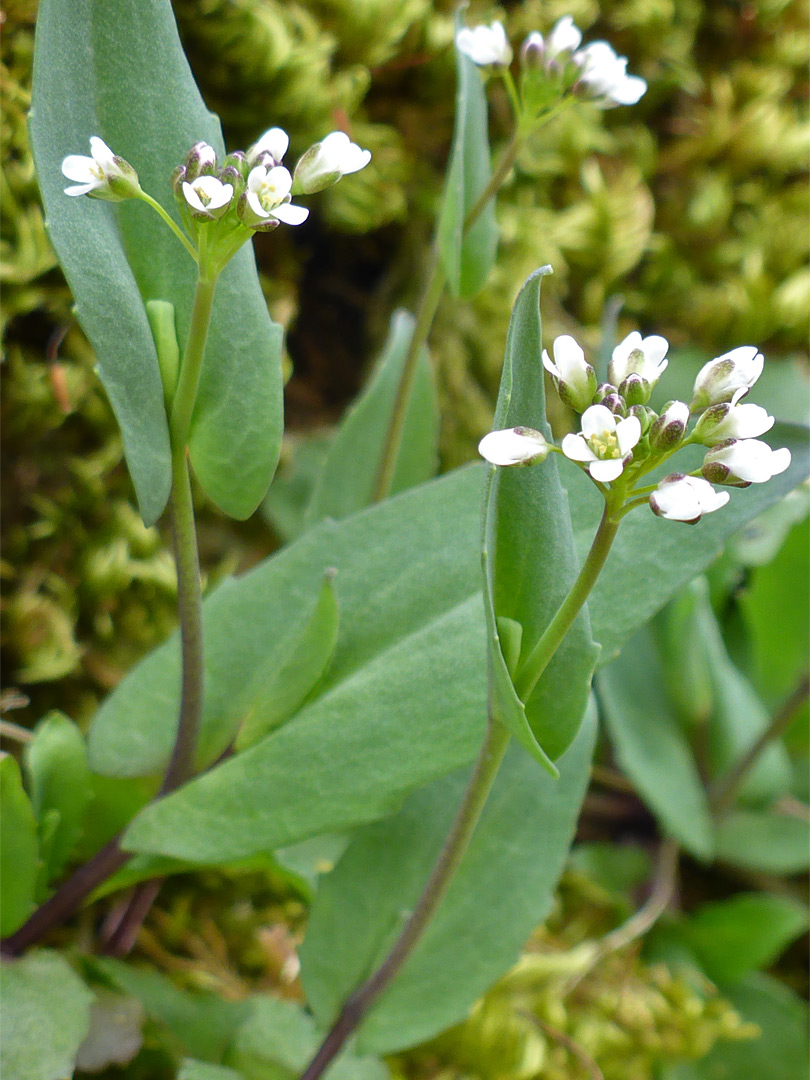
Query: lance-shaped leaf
{"type": "Point", "coordinates": [530, 561]}
{"type": "Point", "coordinates": [59, 780]}
{"type": "Point", "coordinates": [92, 60]}
{"type": "Point", "coordinates": [501, 891]}
{"type": "Point", "coordinates": [468, 255]}
{"type": "Point", "coordinates": [348, 476]}
{"type": "Point", "coordinates": [275, 694]}
{"type": "Point", "coordinates": [651, 746]}
{"type": "Point", "coordinates": [411, 655]}
{"type": "Point", "coordinates": [19, 849]}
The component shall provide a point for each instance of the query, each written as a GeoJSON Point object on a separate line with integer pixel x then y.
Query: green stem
{"type": "Point", "coordinates": [178, 232]}
{"type": "Point", "coordinates": [186, 394]}
{"type": "Point", "coordinates": [475, 797]}
{"type": "Point", "coordinates": [723, 794]}
{"type": "Point", "coordinates": [431, 295]}
{"type": "Point", "coordinates": [529, 672]}
{"type": "Point", "coordinates": [189, 605]}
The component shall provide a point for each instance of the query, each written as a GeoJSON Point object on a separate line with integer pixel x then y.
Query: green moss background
{"type": "Point", "coordinates": [692, 207]}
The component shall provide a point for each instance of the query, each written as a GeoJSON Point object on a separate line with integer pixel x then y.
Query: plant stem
{"type": "Point", "coordinates": [529, 672]}
{"type": "Point", "coordinates": [723, 793]}
{"type": "Point", "coordinates": [178, 232]}
{"type": "Point", "coordinates": [189, 600]}
{"type": "Point", "coordinates": [475, 797]}
{"type": "Point", "coordinates": [426, 312]}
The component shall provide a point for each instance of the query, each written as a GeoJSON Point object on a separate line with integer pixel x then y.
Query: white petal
{"type": "Point", "coordinates": [102, 154]}
{"type": "Point", "coordinates": [598, 420]}
{"type": "Point", "coordinates": [549, 365]}
{"type": "Point", "coordinates": [570, 358]}
{"type": "Point", "coordinates": [575, 448]}
{"type": "Point", "coordinates": [605, 471]}
{"type": "Point", "coordinates": [510, 447]}
{"type": "Point", "coordinates": [82, 189]}
{"type": "Point", "coordinates": [628, 432]}
{"type": "Point", "coordinates": [629, 91]}
{"type": "Point", "coordinates": [274, 142]}
{"type": "Point", "coordinates": [289, 214]}
{"type": "Point", "coordinates": [780, 460]}
{"type": "Point", "coordinates": [81, 169]}
{"type": "Point", "coordinates": [191, 195]}
{"type": "Point", "coordinates": [564, 37]}
{"type": "Point", "coordinates": [255, 205]}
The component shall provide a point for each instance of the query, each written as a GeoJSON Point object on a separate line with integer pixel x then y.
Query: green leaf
{"type": "Point", "coordinates": [67, 109]}
{"type": "Point", "coordinates": [501, 891]}
{"type": "Point", "coordinates": [347, 479]}
{"type": "Point", "coordinates": [737, 720]}
{"type": "Point", "coordinates": [277, 691]}
{"type": "Point", "coordinates": [278, 1039]}
{"type": "Point", "coordinates": [45, 1014]}
{"type": "Point", "coordinates": [684, 662]}
{"type": "Point", "coordinates": [202, 1070]}
{"type": "Point", "coordinates": [19, 849]}
{"type": "Point", "coordinates": [205, 1024]}
{"type": "Point", "coordinates": [93, 55]}
{"type": "Point", "coordinates": [768, 842]}
{"type": "Point", "coordinates": [619, 870]}
{"type": "Point", "coordinates": [529, 557]}
{"type": "Point", "coordinates": [59, 781]}
{"type": "Point", "coordinates": [775, 608]}
{"type": "Point", "coordinates": [468, 255]}
{"type": "Point", "coordinates": [779, 1053]}
{"type": "Point", "coordinates": [733, 937]}
{"type": "Point", "coordinates": [286, 503]}
{"type": "Point", "coordinates": [651, 746]}
{"type": "Point", "coordinates": [410, 655]}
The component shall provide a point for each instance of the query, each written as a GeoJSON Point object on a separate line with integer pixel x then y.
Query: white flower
{"type": "Point", "coordinates": [273, 144]}
{"type": "Point", "coordinates": [686, 498]}
{"type": "Point", "coordinates": [604, 75]}
{"type": "Point", "coordinates": [207, 197]}
{"type": "Point", "coordinates": [564, 37]}
{"type": "Point", "coordinates": [638, 356]}
{"type": "Point", "coordinates": [668, 430]}
{"type": "Point", "coordinates": [573, 376]}
{"type": "Point", "coordinates": [104, 175]}
{"type": "Point", "coordinates": [485, 44]}
{"type": "Point", "coordinates": [732, 421]}
{"type": "Point", "coordinates": [604, 444]}
{"type": "Point", "coordinates": [740, 462]}
{"type": "Point", "coordinates": [514, 446]}
{"type": "Point", "coordinates": [327, 161]}
{"type": "Point", "coordinates": [723, 377]}
{"type": "Point", "coordinates": [267, 198]}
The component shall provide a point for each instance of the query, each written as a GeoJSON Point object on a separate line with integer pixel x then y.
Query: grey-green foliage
{"type": "Point", "coordinates": [501, 890]}
{"type": "Point", "coordinates": [93, 55]}
{"type": "Point", "coordinates": [45, 1013]}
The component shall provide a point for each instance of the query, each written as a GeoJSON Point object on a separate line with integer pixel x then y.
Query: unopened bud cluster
{"type": "Point", "coordinates": [556, 65]}
{"type": "Point", "coordinates": [622, 438]}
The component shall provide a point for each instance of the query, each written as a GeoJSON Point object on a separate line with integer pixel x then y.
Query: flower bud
{"type": "Point", "coordinates": [176, 180]}
{"type": "Point", "coordinates": [514, 446]}
{"type": "Point", "coordinates": [616, 404]}
{"type": "Point", "coordinates": [602, 391]}
{"type": "Point", "coordinates": [532, 51]}
{"type": "Point", "coordinates": [726, 375]}
{"type": "Point", "coordinates": [740, 462]}
{"type": "Point", "coordinates": [732, 421]}
{"type": "Point", "coordinates": [574, 378]}
{"type": "Point", "coordinates": [645, 416]}
{"type": "Point", "coordinates": [635, 390]}
{"type": "Point", "coordinates": [668, 430]}
{"type": "Point", "coordinates": [233, 177]}
{"type": "Point", "coordinates": [327, 161]}
{"type": "Point", "coordinates": [201, 160]}
{"type": "Point", "coordinates": [269, 149]}
{"type": "Point", "coordinates": [485, 45]}
{"type": "Point", "coordinates": [237, 160]}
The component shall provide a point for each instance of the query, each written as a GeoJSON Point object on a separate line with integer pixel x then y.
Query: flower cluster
{"type": "Point", "coordinates": [252, 188]}
{"type": "Point", "coordinates": [621, 438]}
{"type": "Point", "coordinates": [556, 65]}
